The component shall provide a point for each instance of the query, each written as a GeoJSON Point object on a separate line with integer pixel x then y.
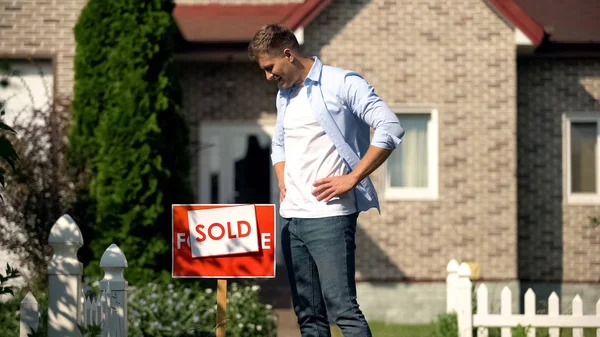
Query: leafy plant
{"type": "Point", "coordinates": [520, 331]}
{"type": "Point", "coordinates": [10, 273]}
{"type": "Point", "coordinates": [92, 330]}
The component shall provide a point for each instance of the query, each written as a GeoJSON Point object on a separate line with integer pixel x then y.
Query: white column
{"type": "Point", "coordinates": [114, 263]}
{"type": "Point", "coordinates": [64, 279]}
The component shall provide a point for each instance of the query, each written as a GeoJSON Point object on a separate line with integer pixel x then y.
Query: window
{"type": "Point", "coordinates": [411, 171]}
{"type": "Point", "coordinates": [235, 164]}
{"type": "Point", "coordinates": [581, 133]}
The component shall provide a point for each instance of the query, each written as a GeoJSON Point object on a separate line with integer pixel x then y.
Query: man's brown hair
{"type": "Point", "coordinates": [272, 39]}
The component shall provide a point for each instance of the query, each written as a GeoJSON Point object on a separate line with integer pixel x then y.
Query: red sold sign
{"type": "Point", "coordinates": [224, 241]}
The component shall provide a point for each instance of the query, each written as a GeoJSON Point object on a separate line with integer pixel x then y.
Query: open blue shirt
{"type": "Point", "coordinates": [347, 107]}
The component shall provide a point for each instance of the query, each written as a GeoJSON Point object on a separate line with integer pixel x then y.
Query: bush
{"type": "Point", "coordinates": [156, 309]}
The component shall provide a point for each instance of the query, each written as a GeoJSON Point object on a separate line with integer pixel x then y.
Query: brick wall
{"type": "Point", "coordinates": [225, 91]}
{"type": "Point", "coordinates": [43, 29]}
{"type": "Point", "coordinates": [457, 57]}
{"type": "Point", "coordinates": [556, 240]}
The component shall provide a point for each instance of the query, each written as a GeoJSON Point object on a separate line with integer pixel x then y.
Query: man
{"type": "Point", "coordinates": [322, 156]}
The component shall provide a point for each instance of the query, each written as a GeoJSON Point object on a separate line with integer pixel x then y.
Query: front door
{"type": "Point", "coordinates": [235, 165]}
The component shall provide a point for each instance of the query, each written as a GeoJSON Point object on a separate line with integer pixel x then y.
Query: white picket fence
{"type": "Point", "coordinates": [67, 305]}
{"type": "Point", "coordinates": [460, 297]}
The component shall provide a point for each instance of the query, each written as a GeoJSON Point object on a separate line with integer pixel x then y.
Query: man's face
{"type": "Point", "coordinates": [278, 68]}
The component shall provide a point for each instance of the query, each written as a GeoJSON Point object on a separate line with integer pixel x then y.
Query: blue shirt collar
{"type": "Point", "coordinates": [314, 74]}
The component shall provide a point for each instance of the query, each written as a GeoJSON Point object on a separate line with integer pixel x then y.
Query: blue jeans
{"type": "Point", "coordinates": [319, 256]}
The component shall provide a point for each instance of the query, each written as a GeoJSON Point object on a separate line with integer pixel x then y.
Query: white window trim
{"type": "Point", "coordinates": [411, 193]}
{"type": "Point", "coordinates": [579, 198]}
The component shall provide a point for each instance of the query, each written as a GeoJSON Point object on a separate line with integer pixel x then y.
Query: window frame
{"type": "Point", "coordinates": [579, 198]}
{"type": "Point", "coordinates": [431, 192]}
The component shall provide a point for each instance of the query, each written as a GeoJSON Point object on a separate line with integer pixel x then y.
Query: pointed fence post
{"type": "Point", "coordinates": [113, 262]}
{"type": "Point", "coordinates": [451, 286]}
{"type": "Point", "coordinates": [64, 279]}
{"type": "Point", "coordinates": [553, 311]}
{"type": "Point", "coordinates": [82, 308]}
{"type": "Point", "coordinates": [530, 309]}
{"type": "Point", "coordinates": [598, 315]}
{"type": "Point", "coordinates": [104, 310]}
{"type": "Point", "coordinates": [108, 327]}
{"type": "Point", "coordinates": [29, 315]}
{"type": "Point", "coordinates": [506, 309]}
{"type": "Point", "coordinates": [578, 312]}
{"type": "Point", "coordinates": [482, 308]}
{"type": "Point", "coordinates": [87, 313]}
{"type": "Point", "coordinates": [465, 306]}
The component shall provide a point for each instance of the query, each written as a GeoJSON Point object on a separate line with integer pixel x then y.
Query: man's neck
{"type": "Point", "coordinates": [306, 66]}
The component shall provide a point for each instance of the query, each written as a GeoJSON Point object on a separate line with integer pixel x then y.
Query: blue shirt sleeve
{"type": "Point", "coordinates": [369, 107]}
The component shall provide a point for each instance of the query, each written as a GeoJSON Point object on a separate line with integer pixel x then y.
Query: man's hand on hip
{"type": "Point", "coordinates": [327, 188]}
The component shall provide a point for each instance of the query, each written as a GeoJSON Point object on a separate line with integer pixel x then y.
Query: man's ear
{"type": "Point", "coordinates": [289, 54]}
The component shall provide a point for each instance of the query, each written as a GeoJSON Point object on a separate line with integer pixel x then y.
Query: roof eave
{"type": "Point", "coordinates": [520, 20]}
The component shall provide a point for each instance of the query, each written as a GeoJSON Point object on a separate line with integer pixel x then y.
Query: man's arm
{"type": "Point", "coordinates": [279, 169]}
{"type": "Point", "coordinates": [327, 188]}
{"type": "Point", "coordinates": [369, 107]}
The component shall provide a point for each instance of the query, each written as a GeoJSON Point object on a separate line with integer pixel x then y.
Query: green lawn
{"type": "Point", "coordinates": [401, 330]}
{"type": "Point", "coordinates": [392, 330]}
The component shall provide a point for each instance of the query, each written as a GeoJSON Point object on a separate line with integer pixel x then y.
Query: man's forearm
{"type": "Point", "coordinates": [279, 169]}
{"type": "Point", "coordinates": [374, 157]}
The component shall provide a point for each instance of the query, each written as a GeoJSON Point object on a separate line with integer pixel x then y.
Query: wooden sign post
{"type": "Point", "coordinates": [221, 308]}
{"type": "Point", "coordinates": [223, 241]}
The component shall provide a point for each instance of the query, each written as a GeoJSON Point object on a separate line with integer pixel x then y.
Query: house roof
{"type": "Point", "coordinates": [521, 19]}
{"type": "Point", "coordinates": [572, 21]}
{"type": "Point", "coordinates": [559, 22]}
{"type": "Point", "coordinates": [210, 23]}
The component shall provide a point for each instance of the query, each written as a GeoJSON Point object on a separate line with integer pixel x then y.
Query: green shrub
{"type": "Point", "coordinates": [128, 132]}
{"type": "Point", "coordinates": [158, 310]}
{"type": "Point", "coordinates": [446, 325]}
{"type": "Point", "coordinates": [186, 310]}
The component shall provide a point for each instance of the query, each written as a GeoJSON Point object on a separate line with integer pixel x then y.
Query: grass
{"type": "Point", "coordinates": [403, 330]}
{"type": "Point", "coordinates": [380, 329]}
{"type": "Point", "coordinates": [543, 332]}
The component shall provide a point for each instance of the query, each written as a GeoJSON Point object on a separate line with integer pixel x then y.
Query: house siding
{"type": "Point", "coordinates": [556, 240]}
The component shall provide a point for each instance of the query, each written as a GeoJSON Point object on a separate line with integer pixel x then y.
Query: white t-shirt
{"type": "Point", "coordinates": [310, 156]}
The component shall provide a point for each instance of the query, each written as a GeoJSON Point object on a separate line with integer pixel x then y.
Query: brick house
{"type": "Point", "coordinates": [500, 100]}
